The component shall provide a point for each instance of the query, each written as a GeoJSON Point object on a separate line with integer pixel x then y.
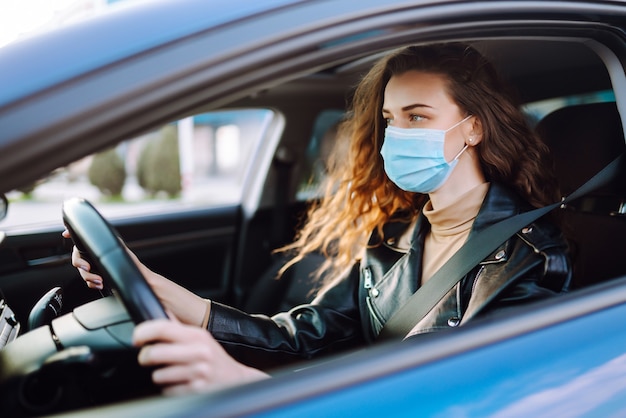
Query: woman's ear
{"type": "Point", "coordinates": [475, 134]}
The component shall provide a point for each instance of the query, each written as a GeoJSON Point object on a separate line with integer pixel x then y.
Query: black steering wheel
{"type": "Point", "coordinates": [93, 235]}
{"type": "Point", "coordinates": [84, 357]}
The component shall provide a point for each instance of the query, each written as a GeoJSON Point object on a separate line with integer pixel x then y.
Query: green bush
{"type": "Point", "coordinates": [108, 173]}
{"type": "Point", "coordinates": [158, 168]}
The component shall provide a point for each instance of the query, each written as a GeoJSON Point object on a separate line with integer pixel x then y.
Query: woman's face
{"type": "Point", "coordinates": [419, 100]}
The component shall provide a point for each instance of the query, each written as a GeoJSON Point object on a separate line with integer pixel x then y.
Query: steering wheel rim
{"type": "Point", "coordinates": [95, 236]}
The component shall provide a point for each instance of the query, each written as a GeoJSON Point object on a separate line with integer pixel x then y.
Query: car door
{"type": "Point", "coordinates": [173, 194]}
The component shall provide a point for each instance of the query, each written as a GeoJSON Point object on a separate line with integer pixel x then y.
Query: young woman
{"type": "Point", "coordinates": [438, 152]}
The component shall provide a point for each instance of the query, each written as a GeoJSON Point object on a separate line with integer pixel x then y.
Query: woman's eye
{"type": "Point", "coordinates": [388, 121]}
{"type": "Point", "coordinates": [416, 118]}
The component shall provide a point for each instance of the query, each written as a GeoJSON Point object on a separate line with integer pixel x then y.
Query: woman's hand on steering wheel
{"type": "Point", "coordinates": [93, 280]}
{"type": "Point", "coordinates": [188, 358]}
{"type": "Point", "coordinates": [185, 305]}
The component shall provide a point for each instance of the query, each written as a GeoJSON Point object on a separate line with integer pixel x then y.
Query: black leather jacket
{"type": "Point", "coordinates": [531, 265]}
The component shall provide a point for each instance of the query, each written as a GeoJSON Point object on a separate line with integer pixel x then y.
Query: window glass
{"type": "Point", "coordinates": [538, 110]}
{"type": "Point", "coordinates": [323, 141]}
{"type": "Point", "coordinates": [197, 161]}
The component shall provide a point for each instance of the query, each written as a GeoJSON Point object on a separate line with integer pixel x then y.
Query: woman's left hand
{"type": "Point", "coordinates": [188, 358]}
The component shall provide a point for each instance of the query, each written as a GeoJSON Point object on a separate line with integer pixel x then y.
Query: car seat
{"type": "Point", "coordinates": [298, 285]}
{"type": "Point", "coordinates": [583, 139]}
{"type": "Point", "coordinates": [272, 294]}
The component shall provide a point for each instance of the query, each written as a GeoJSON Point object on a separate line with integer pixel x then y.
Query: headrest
{"type": "Point", "coordinates": [583, 139]}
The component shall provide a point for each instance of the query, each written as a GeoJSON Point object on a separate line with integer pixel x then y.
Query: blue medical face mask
{"type": "Point", "coordinates": [414, 158]}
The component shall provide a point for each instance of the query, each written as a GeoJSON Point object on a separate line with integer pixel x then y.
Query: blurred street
{"type": "Point", "coordinates": [45, 206]}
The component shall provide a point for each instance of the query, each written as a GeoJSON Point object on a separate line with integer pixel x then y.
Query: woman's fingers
{"type": "Point", "coordinates": [184, 373]}
{"type": "Point", "coordinates": [196, 352]}
{"type": "Point", "coordinates": [171, 331]}
{"type": "Point", "coordinates": [78, 261]}
{"type": "Point", "coordinates": [185, 388]}
{"type": "Point", "coordinates": [188, 358]}
{"type": "Point", "coordinates": [92, 280]}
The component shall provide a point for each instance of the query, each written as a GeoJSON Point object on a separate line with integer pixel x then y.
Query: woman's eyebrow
{"type": "Point", "coordinates": [416, 105]}
{"type": "Point", "coordinates": [410, 107]}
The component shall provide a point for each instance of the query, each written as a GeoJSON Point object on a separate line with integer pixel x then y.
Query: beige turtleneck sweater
{"type": "Point", "coordinates": [450, 227]}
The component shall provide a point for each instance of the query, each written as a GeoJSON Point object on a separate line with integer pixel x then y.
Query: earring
{"type": "Point", "coordinates": [471, 140]}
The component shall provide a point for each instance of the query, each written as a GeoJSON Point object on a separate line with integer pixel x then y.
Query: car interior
{"type": "Point", "coordinates": [566, 85]}
{"type": "Point", "coordinates": [583, 136]}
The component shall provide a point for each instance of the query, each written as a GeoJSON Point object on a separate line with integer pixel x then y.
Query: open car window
{"type": "Point", "coordinates": [199, 161]}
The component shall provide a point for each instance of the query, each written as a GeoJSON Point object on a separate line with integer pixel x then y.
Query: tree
{"type": "Point", "coordinates": [158, 168]}
{"type": "Point", "coordinates": [108, 173]}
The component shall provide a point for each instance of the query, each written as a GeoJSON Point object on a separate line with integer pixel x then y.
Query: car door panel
{"type": "Point", "coordinates": [194, 248]}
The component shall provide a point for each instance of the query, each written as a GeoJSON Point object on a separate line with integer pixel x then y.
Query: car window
{"type": "Point", "coordinates": [538, 110]}
{"type": "Point", "coordinates": [323, 141]}
{"type": "Point", "coordinates": [324, 138]}
{"type": "Point", "coordinates": [197, 161]}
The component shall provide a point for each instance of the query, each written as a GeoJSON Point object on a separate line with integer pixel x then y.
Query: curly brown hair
{"type": "Point", "coordinates": [359, 198]}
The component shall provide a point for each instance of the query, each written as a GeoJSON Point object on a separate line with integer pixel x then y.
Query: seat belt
{"type": "Point", "coordinates": [475, 250]}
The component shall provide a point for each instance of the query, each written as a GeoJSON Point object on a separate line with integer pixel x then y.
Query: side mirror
{"type": "Point", "coordinates": [4, 206]}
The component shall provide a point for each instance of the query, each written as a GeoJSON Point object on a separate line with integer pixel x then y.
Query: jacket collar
{"type": "Point", "coordinates": [500, 203]}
